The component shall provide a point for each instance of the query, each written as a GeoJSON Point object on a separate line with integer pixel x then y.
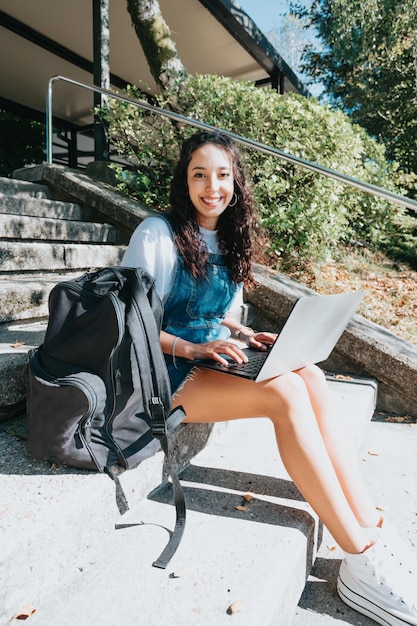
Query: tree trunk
{"type": "Point", "coordinates": [155, 38]}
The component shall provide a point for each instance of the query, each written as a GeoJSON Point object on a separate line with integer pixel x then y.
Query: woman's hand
{"type": "Point", "coordinates": [261, 341]}
{"type": "Point", "coordinates": [215, 349]}
{"type": "Point", "coordinates": [255, 341]}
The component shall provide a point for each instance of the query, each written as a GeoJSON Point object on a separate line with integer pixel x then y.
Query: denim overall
{"type": "Point", "coordinates": [195, 309]}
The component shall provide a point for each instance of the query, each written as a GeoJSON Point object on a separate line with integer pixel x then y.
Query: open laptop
{"type": "Point", "coordinates": [309, 335]}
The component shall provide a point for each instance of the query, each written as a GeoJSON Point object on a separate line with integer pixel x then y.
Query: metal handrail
{"type": "Point", "coordinates": [260, 147]}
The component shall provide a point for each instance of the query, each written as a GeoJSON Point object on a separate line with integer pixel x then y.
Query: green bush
{"type": "Point", "coordinates": [304, 214]}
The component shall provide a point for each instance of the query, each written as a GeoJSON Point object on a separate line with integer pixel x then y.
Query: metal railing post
{"type": "Point", "coordinates": [49, 122]}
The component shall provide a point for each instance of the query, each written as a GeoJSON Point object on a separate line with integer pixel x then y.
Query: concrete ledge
{"type": "Point", "coordinates": [365, 349]}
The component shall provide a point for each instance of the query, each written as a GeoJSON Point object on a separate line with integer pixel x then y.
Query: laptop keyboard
{"type": "Point", "coordinates": [256, 360]}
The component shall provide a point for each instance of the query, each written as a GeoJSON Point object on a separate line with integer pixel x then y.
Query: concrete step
{"type": "Point", "coordinates": [28, 228]}
{"type": "Point", "coordinates": [16, 339]}
{"type": "Point", "coordinates": [39, 207]}
{"type": "Point", "coordinates": [48, 257]}
{"type": "Point", "coordinates": [387, 458]}
{"type": "Point", "coordinates": [68, 553]}
{"type": "Point", "coordinates": [25, 296]}
{"type": "Point", "coordinates": [49, 513]}
{"type": "Point", "coordinates": [34, 190]}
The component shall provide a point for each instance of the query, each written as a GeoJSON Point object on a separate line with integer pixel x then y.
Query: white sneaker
{"type": "Point", "coordinates": [389, 536]}
{"type": "Point", "coordinates": [382, 581]}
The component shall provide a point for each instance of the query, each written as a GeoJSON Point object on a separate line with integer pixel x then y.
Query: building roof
{"type": "Point", "coordinates": [46, 38]}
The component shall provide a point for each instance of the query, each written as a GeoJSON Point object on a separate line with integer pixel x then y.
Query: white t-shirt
{"type": "Point", "coordinates": [152, 248]}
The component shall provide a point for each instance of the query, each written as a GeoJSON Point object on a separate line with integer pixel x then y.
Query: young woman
{"type": "Point", "coordinates": [200, 257]}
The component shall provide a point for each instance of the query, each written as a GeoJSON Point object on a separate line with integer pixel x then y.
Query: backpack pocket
{"type": "Point", "coordinates": [65, 417]}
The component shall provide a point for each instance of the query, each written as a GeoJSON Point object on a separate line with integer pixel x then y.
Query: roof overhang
{"type": "Point", "coordinates": [46, 38]}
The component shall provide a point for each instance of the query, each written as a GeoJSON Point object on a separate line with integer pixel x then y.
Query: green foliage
{"type": "Point", "coordinates": [368, 66]}
{"type": "Point", "coordinates": [149, 143]}
{"type": "Point", "coordinates": [402, 244]}
{"type": "Point", "coordinates": [22, 142]}
{"type": "Point", "coordinates": [304, 214]}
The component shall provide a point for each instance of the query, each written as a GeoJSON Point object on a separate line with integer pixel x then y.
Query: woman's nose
{"type": "Point", "coordinates": [212, 183]}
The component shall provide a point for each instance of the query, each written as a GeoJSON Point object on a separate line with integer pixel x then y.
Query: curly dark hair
{"type": "Point", "coordinates": [234, 225]}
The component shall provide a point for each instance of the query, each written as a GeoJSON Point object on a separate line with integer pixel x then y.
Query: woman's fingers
{"type": "Point", "coordinates": [261, 341]}
{"type": "Point", "coordinates": [219, 349]}
{"type": "Point", "coordinates": [215, 349]}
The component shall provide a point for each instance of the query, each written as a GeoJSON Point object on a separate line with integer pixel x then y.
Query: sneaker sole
{"type": "Point", "coordinates": [366, 607]}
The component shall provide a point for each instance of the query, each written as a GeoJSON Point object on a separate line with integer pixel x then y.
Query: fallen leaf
{"type": "Point", "coordinates": [240, 507]}
{"type": "Point", "coordinates": [235, 607]}
{"type": "Point", "coordinates": [248, 497]}
{"type": "Point", "coordinates": [17, 344]}
{"type": "Point", "coordinates": [25, 612]}
{"type": "Point", "coordinates": [399, 419]}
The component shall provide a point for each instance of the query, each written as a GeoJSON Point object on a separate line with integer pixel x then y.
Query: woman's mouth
{"type": "Point", "coordinates": [211, 201]}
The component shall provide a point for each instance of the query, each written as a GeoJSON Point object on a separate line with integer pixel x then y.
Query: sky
{"type": "Point", "coordinates": [265, 13]}
{"type": "Point", "coordinates": [268, 16]}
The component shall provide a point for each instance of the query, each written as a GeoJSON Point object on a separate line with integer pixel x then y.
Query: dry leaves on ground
{"type": "Point", "coordinates": [391, 298]}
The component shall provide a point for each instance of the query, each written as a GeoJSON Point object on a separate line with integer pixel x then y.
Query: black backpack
{"type": "Point", "coordinates": [99, 392]}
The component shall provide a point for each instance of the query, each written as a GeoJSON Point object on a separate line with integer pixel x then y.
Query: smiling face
{"type": "Point", "coordinates": [210, 183]}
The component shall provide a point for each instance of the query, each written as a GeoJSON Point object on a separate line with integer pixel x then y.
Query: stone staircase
{"type": "Point", "coordinates": [69, 549]}
{"type": "Point", "coordinates": [43, 241]}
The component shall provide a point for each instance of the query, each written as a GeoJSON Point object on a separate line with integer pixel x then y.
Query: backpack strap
{"type": "Point", "coordinates": [179, 500]}
{"type": "Point", "coordinates": [144, 332]}
{"type": "Point", "coordinates": [157, 398]}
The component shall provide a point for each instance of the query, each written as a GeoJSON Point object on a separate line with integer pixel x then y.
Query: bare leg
{"type": "Point", "coordinates": [339, 444]}
{"type": "Point", "coordinates": [211, 397]}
